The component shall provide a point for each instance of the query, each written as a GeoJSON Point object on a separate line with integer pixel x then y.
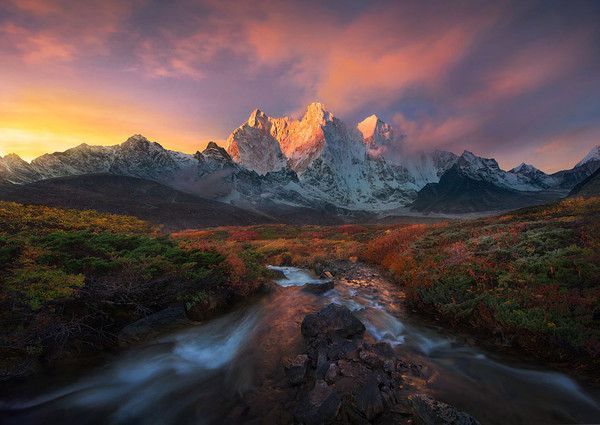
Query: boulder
{"type": "Point", "coordinates": [319, 288]}
{"type": "Point", "coordinates": [333, 320]}
{"type": "Point", "coordinates": [295, 369]}
{"type": "Point", "coordinates": [154, 325]}
{"type": "Point", "coordinates": [433, 412]}
{"type": "Point", "coordinates": [319, 406]}
{"type": "Point", "coordinates": [369, 400]}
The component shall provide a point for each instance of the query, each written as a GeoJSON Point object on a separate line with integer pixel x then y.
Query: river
{"type": "Point", "coordinates": [218, 371]}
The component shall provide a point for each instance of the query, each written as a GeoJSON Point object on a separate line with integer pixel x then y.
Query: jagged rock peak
{"type": "Point", "coordinates": [12, 158]}
{"type": "Point", "coordinates": [375, 131]}
{"type": "Point", "coordinates": [468, 158]}
{"type": "Point", "coordinates": [213, 150]}
{"type": "Point", "coordinates": [137, 140]}
{"type": "Point", "coordinates": [524, 168]}
{"type": "Point", "coordinates": [258, 119]}
{"type": "Point", "coordinates": [317, 112]}
{"type": "Point", "coordinates": [593, 155]}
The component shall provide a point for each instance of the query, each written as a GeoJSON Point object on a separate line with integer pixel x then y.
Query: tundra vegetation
{"type": "Point", "coordinates": [72, 279]}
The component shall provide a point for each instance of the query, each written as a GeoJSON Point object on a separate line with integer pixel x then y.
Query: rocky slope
{"type": "Point", "coordinates": [457, 193]}
{"type": "Point", "coordinates": [315, 164]}
{"type": "Point", "coordinates": [334, 163]}
{"type": "Point", "coordinates": [588, 187]}
{"type": "Point", "coordinates": [145, 199]}
{"type": "Point", "coordinates": [475, 184]}
{"type": "Point", "coordinates": [584, 168]}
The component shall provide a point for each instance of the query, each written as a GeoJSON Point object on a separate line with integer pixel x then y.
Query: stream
{"type": "Point", "coordinates": [212, 373]}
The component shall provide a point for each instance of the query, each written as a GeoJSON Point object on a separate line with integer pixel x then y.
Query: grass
{"type": "Point", "coordinates": [530, 277]}
{"type": "Point", "coordinates": [72, 279]}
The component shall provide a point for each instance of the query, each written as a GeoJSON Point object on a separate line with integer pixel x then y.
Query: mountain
{"type": "Point", "coordinates": [314, 165]}
{"type": "Point", "coordinates": [588, 187]}
{"type": "Point", "coordinates": [458, 192]}
{"type": "Point", "coordinates": [476, 184]}
{"type": "Point", "coordinates": [584, 168]}
{"type": "Point", "coordinates": [378, 136]}
{"type": "Point", "coordinates": [145, 199]}
{"type": "Point", "coordinates": [592, 156]}
{"type": "Point", "coordinates": [334, 163]}
{"type": "Point", "coordinates": [254, 144]}
{"type": "Point", "coordinates": [536, 177]}
{"type": "Point", "coordinates": [487, 170]}
{"type": "Point", "coordinates": [13, 169]}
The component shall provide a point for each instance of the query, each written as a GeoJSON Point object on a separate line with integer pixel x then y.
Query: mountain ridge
{"type": "Point", "coordinates": [315, 161]}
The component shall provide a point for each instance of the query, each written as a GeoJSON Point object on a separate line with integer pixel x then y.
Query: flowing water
{"type": "Point", "coordinates": [210, 372]}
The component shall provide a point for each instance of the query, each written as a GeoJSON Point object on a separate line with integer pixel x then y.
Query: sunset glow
{"type": "Point", "coordinates": [511, 80]}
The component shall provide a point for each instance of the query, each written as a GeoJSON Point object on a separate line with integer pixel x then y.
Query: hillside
{"type": "Point", "coordinates": [458, 193]}
{"type": "Point", "coordinates": [147, 200]}
{"type": "Point", "coordinates": [528, 278]}
{"type": "Point", "coordinates": [72, 280]}
{"type": "Point", "coordinates": [588, 187]}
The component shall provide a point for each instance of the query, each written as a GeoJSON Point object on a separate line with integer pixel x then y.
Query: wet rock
{"type": "Point", "coordinates": [333, 320]}
{"type": "Point", "coordinates": [319, 288]}
{"type": "Point", "coordinates": [433, 412]}
{"type": "Point", "coordinates": [322, 365]}
{"type": "Point", "coordinates": [332, 373]}
{"type": "Point", "coordinates": [295, 369]}
{"type": "Point", "coordinates": [153, 325]}
{"type": "Point", "coordinates": [369, 400]}
{"type": "Point", "coordinates": [371, 358]}
{"type": "Point", "coordinates": [319, 406]}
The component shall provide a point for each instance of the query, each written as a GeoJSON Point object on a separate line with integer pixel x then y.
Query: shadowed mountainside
{"type": "Point", "coordinates": [144, 199]}
{"type": "Point", "coordinates": [589, 187]}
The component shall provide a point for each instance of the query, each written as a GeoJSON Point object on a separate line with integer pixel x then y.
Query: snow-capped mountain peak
{"type": "Point", "coordinates": [469, 161]}
{"type": "Point", "coordinates": [316, 113]}
{"type": "Point", "coordinates": [524, 168]}
{"type": "Point", "coordinates": [258, 119]}
{"type": "Point", "coordinates": [377, 135]}
{"type": "Point", "coordinates": [254, 145]}
{"type": "Point", "coordinates": [593, 155]}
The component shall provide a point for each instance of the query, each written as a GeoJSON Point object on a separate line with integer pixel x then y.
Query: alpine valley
{"type": "Point", "coordinates": [312, 169]}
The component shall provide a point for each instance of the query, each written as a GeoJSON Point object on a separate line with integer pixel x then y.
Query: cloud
{"type": "Point", "coordinates": [496, 78]}
{"type": "Point", "coordinates": [55, 31]}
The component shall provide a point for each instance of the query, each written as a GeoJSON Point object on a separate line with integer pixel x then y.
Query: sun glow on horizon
{"type": "Point", "coordinates": [39, 122]}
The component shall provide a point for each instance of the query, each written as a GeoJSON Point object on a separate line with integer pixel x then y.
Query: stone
{"type": "Point", "coordinates": [319, 406]}
{"type": "Point", "coordinates": [319, 288]}
{"type": "Point", "coordinates": [295, 369]}
{"type": "Point", "coordinates": [369, 400]}
{"type": "Point", "coordinates": [333, 320]}
{"type": "Point", "coordinates": [433, 412]}
{"type": "Point", "coordinates": [332, 373]}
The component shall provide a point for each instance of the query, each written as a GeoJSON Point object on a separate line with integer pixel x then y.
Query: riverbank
{"type": "Point", "coordinates": [72, 281]}
{"type": "Point", "coordinates": [525, 281]}
{"type": "Point", "coordinates": [249, 365]}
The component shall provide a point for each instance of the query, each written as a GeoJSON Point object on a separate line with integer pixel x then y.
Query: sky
{"type": "Point", "coordinates": [515, 80]}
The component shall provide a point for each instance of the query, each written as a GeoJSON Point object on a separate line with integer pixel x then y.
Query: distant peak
{"type": "Point", "coordinates": [593, 155]}
{"type": "Point", "coordinates": [257, 117]}
{"type": "Point", "coordinates": [12, 156]}
{"type": "Point", "coordinates": [523, 167]}
{"type": "Point", "coordinates": [136, 139]}
{"type": "Point", "coordinates": [376, 133]}
{"type": "Point", "coordinates": [316, 111]}
{"type": "Point", "coordinates": [139, 142]}
{"type": "Point", "coordinates": [215, 151]}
